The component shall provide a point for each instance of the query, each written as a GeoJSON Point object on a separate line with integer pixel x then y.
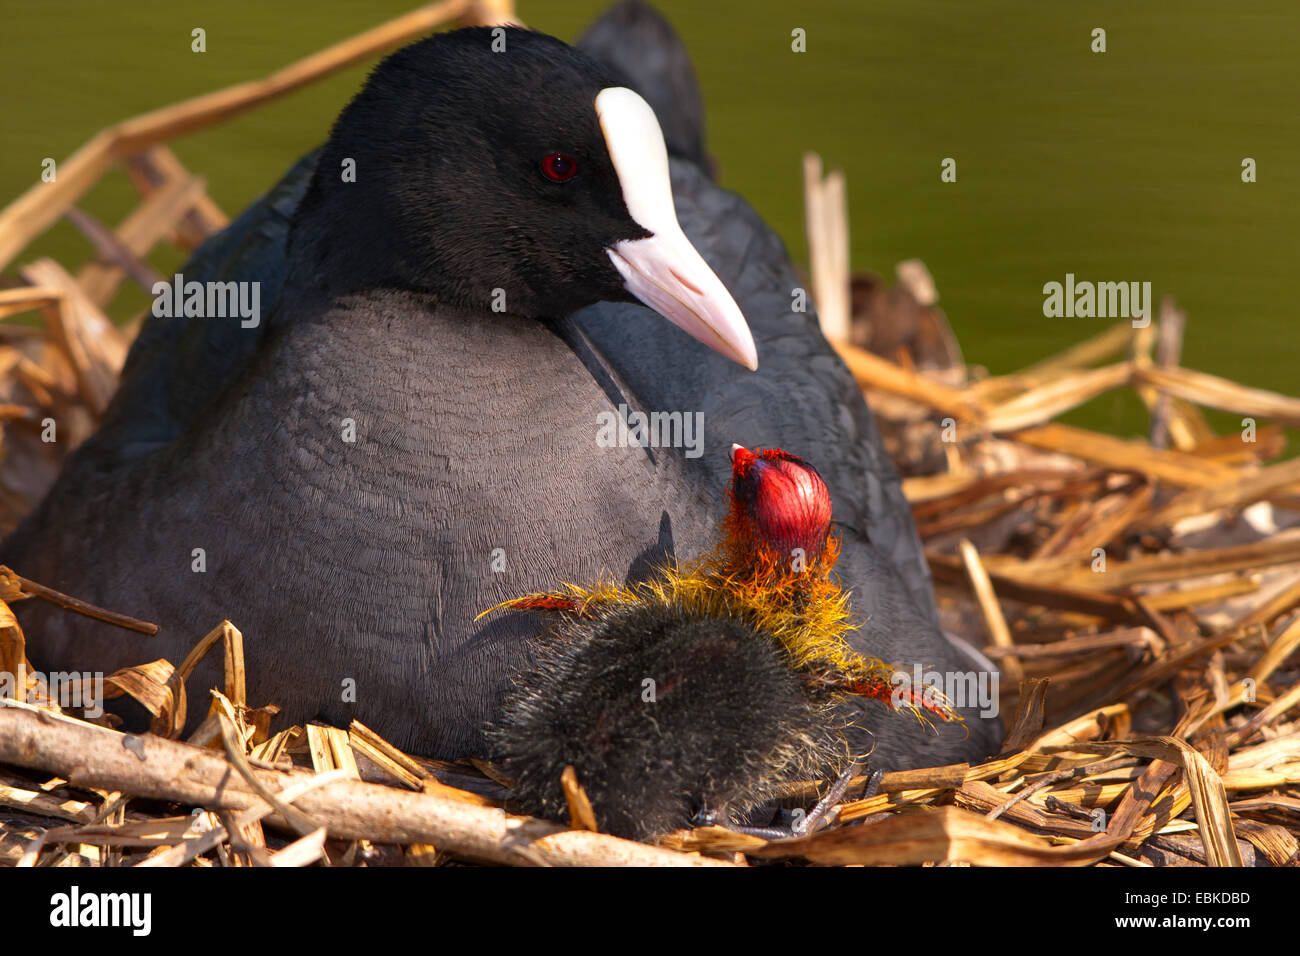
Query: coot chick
{"type": "Point", "coordinates": [665, 715]}
{"type": "Point", "coordinates": [696, 694]}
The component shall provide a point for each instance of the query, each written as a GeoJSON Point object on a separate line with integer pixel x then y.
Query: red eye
{"type": "Point", "coordinates": [559, 168]}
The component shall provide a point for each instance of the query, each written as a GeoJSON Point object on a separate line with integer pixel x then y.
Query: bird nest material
{"type": "Point", "coordinates": [1142, 598]}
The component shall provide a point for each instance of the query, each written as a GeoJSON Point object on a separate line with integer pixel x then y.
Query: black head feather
{"type": "Point", "coordinates": [448, 137]}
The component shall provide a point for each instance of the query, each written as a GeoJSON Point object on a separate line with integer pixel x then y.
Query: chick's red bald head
{"type": "Point", "coordinates": [780, 501]}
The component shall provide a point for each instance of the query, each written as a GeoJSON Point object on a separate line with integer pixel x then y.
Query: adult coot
{"type": "Point", "coordinates": [414, 437]}
{"type": "Point", "coordinates": [802, 397]}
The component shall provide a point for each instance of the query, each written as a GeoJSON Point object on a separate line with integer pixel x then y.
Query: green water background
{"type": "Point", "coordinates": [1115, 166]}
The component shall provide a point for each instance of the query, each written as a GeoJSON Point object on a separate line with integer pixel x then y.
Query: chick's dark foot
{"type": "Point", "coordinates": [819, 817]}
{"type": "Point", "coordinates": [872, 786]}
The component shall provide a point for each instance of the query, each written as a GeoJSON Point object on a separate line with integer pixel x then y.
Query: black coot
{"type": "Point", "coordinates": [413, 438]}
{"type": "Point", "coordinates": [801, 397]}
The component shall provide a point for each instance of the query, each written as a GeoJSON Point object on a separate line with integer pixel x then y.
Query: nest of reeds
{"type": "Point", "coordinates": [1141, 597]}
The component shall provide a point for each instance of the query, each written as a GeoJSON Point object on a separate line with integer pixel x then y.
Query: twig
{"type": "Point", "coordinates": [30, 588]}
{"type": "Point", "coordinates": [1057, 776]}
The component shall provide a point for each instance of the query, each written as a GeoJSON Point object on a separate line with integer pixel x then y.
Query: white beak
{"type": "Point", "coordinates": [664, 270]}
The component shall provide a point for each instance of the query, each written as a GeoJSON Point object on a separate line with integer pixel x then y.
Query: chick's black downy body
{"type": "Point", "coordinates": [664, 714]}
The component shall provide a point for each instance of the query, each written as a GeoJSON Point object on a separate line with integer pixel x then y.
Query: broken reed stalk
{"type": "Point", "coordinates": [15, 587]}
{"type": "Point", "coordinates": [1212, 391]}
{"type": "Point", "coordinates": [826, 224]}
{"type": "Point", "coordinates": [992, 611]}
{"type": "Point", "coordinates": [1169, 349]}
{"type": "Point", "coordinates": [872, 371]}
